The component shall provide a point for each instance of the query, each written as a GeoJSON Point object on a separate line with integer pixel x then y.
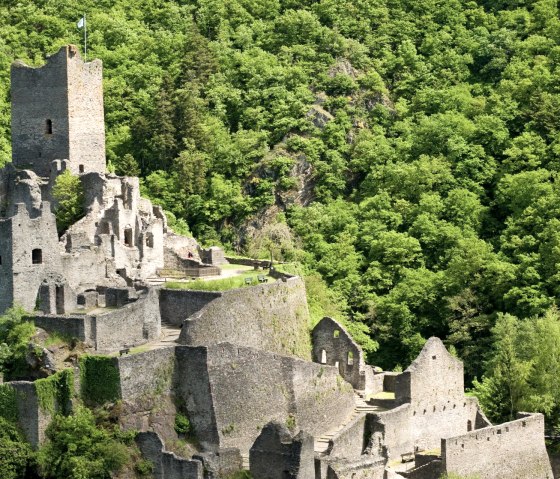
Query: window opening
{"type": "Point", "coordinates": [37, 256]}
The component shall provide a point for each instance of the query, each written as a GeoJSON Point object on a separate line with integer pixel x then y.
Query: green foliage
{"type": "Point", "coordinates": [240, 281]}
{"type": "Point", "coordinates": [144, 468]}
{"type": "Point", "coordinates": [68, 193]}
{"type": "Point", "coordinates": [100, 379]}
{"type": "Point", "coordinates": [55, 393]}
{"type": "Point", "coordinates": [522, 373]}
{"type": "Point", "coordinates": [430, 179]}
{"type": "Point", "coordinates": [77, 449]}
{"type": "Point", "coordinates": [15, 334]}
{"type": "Point", "coordinates": [8, 403]}
{"type": "Point", "coordinates": [182, 424]}
{"type": "Point", "coordinates": [16, 455]}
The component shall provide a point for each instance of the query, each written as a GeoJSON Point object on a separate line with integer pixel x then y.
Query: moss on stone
{"type": "Point", "coordinates": [8, 403]}
{"type": "Point", "coordinates": [54, 393]}
{"type": "Point", "coordinates": [100, 379]}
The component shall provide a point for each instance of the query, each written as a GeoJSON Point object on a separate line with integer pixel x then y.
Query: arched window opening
{"type": "Point", "coordinates": [150, 240]}
{"type": "Point", "coordinates": [48, 127]}
{"type": "Point", "coordinates": [469, 425]}
{"type": "Point", "coordinates": [323, 356]}
{"type": "Point", "coordinates": [350, 358]}
{"type": "Point", "coordinates": [336, 333]}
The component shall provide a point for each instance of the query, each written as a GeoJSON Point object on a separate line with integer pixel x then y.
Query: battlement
{"type": "Point", "coordinates": [57, 113]}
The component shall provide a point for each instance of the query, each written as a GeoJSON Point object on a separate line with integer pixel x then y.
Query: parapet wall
{"type": "Point", "coordinates": [514, 449]}
{"type": "Point", "coordinates": [133, 324]}
{"type": "Point", "coordinates": [273, 317]}
{"type": "Point", "coordinates": [176, 305]}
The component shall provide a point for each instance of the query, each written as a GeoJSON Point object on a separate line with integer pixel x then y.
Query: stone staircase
{"type": "Point", "coordinates": [169, 335]}
{"type": "Point", "coordinates": [245, 459]}
{"type": "Point", "coordinates": [361, 407]}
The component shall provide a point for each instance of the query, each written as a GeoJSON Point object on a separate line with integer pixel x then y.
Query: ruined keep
{"type": "Point", "coordinates": [260, 392]}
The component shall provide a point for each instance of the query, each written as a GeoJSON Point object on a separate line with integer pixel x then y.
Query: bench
{"type": "Point", "coordinates": [262, 278]}
{"type": "Point", "coordinates": [249, 280]}
{"type": "Point", "coordinates": [124, 351]}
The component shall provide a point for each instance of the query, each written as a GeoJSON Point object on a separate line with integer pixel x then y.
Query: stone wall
{"type": "Point", "coordinates": [176, 305]}
{"type": "Point", "coordinates": [133, 324]}
{"type": "Point", "coordinates": [81, 327]}
{"type": "Point", "coordinates": [251, 387]}
{"type": "Point", "coordinates": [272, 316]}
{"type": "Point", "coordinates": [29, 251]}
{"type": "Point", "coordinates": [166, 464]}
{"type": "Point", "coordinates": [278, 454]}
{"type": "Point", "coordinates": [194, 391]}
{"type": "Point", "coordinates": [333, 345]}
{"type": "Point", "coordinates": [352, 441]}
{"type": "Point", "coordinates": [32, 419]}
{"type": "Point", "coordinates": [433, 375]}
{"type": "Point", "coordinates": [514, 449]}
{"type": "Point", "coordinates": [57, 113]}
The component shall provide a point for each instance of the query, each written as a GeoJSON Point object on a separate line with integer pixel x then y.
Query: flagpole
{"type": "Point", "coordinates": [85, 38]}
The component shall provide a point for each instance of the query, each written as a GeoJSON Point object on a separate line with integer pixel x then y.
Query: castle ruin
{"type": "Point", "coordinates": [260, 394]}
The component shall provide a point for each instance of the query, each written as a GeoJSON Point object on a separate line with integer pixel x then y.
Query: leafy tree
{"type": "Point", "coordinates": [68, 192]}
{"type": "Point", "coordinates": [16, 455]}
{"type": "Point", "coordinates": [77, 449]}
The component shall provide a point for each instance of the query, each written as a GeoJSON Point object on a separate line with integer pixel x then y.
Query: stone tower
{"type": "Point", "coordinates": [57, 113]}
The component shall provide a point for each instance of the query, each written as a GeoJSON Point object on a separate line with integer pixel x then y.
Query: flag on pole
{"type": "Point", "coordinates": [81, 22]}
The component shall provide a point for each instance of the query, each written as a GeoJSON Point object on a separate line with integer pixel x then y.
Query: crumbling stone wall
{"type": "Point", "coordinates": [278, 454]}
{"type": "Point", "coordinates": [273, 317]}
{"type": "Point", "coordinates": [166, 464]}
{"type": "Point", "coordinates": [29, 252]}
{"type": "Point", "coordinates": [514, 449]}
{"type": "Point", "coordinates": [433, 375]}
{"type": "Point", "coordinates": [57, 113]}
{"type": "Point", "coordinates": [333, 345]}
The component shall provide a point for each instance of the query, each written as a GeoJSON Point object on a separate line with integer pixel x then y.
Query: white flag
{"type": "Point", "coordinates": [81, 22]}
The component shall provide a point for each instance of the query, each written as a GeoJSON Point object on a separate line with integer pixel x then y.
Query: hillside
{"type": "Point", "coordinates": [404, 151]}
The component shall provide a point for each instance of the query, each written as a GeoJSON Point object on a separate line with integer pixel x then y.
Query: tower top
{"type": "Point", "coordinates": [57, 113]}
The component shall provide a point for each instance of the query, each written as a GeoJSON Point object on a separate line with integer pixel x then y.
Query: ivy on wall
{"type": "Point", "coordinates": [100, 379]}
{"type": "Point", "coordinates": [8, 403]}
{"type": "Point", "coordinates": [54, 393]}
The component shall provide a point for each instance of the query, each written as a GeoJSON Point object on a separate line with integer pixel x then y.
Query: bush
{"type": "Point", "coordinates": [100, 379]}
{"type": "Point", "coordinates": [182, 424]}
{"type": "Point", "coordinates": [77, 449]}
{"type": "Point", "coordinates": [16, 455]}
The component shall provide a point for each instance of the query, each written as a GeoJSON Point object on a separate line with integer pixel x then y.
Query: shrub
{"type": "Point", "coordinates": [182, 424]}
{"type": "Point", "coordinates": [69, 195]}
{"type": "Point", "coordinates": [16, 455]}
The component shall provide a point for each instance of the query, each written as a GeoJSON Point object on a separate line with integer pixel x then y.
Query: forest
{"type": "Point", "coordinates": [403, 154]}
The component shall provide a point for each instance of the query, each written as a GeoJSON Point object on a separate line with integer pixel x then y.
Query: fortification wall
{"type": "Point", "coordinates": [351, 441]}
{"type": "Point", "coordinates": [81, 327]}
{"type": "Point", "coordinates": [252, 387]}
{"type": "Point", "coordinates": [176, 305]}
{"type": "Point", "coordinates": [392, 430]}
{"type": "Point", "coordinates": [514, 449]}
{"type": "Point", "coordinates": [6, 277]}
{"type": "Point", "coordinates": [146, 389]}
{"type": "Point", "coordinates": [133, 324]}
{"type": "Point", "coordinates": [32, 419]}
{"type": "Point", "coordinates": [147, 373]}
{"type": "Point", "coordinates": [333, 345]}
{"type": "Point", "coordinates": [193, 389]}
{"type": "Point", "coordinates": [316, 389]}
{"type": "Point", "coordinates": [273, 317]}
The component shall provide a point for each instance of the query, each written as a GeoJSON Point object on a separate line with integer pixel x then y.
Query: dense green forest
{"type": "Point", "coordinates": [404, 152]}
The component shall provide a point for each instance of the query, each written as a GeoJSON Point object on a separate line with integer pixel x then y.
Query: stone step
{"type": "Point", "coordinates": [245, 461]}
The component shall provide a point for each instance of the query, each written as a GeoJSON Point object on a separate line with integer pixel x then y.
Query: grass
{"type": "Point", "coordinates": [382, 395]}
{"type": "Point", "coordinates": [220, 284]}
